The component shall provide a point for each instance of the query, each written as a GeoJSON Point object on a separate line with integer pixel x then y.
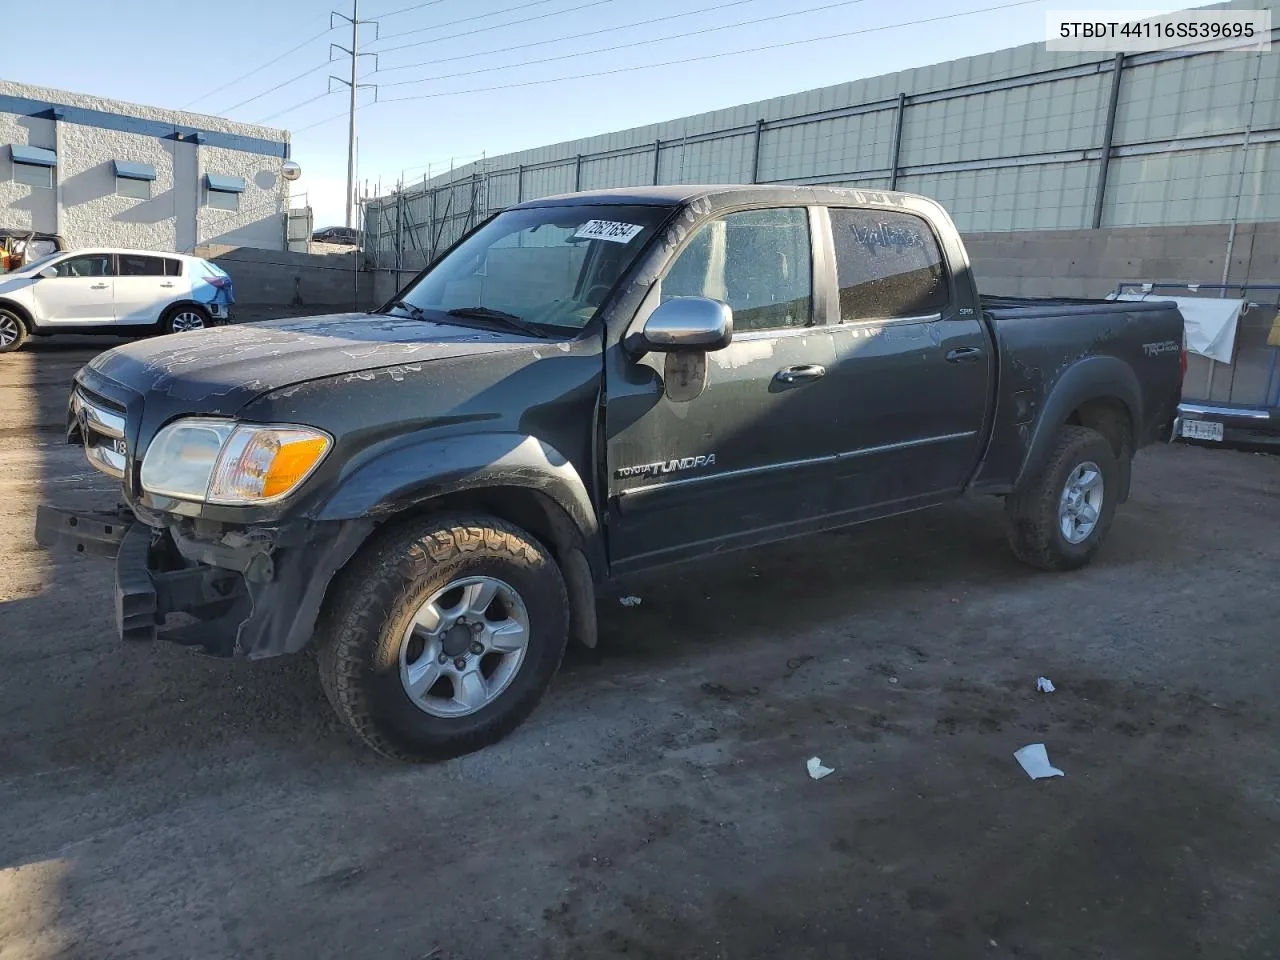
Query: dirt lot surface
{"type": "Point", "coordinates": [154, 803]}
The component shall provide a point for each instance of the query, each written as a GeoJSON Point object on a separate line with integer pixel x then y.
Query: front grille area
{"type": "Point", "coordinates": [102, 429]}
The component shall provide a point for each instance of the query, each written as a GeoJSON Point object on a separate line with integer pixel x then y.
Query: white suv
{"type": "Point", "coordinates": [111, 291]}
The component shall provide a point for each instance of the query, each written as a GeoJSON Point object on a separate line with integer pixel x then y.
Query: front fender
{"type": "Point", "coordinates": [1093, 378]}
{"type": "Point", "coordinates": [412, 470]}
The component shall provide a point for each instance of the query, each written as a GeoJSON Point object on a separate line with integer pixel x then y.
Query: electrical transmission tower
{"type": "Point", "coordinates": [355, 55]}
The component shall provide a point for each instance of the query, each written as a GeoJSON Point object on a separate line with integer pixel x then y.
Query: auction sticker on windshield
{"type": "Point", "coordinates": [610, 230]}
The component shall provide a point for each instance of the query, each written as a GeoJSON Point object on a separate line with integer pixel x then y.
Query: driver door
{"type": "Point", "coordinates": [82, 293]}
{"type": "Point", "coordinates": [747, 460]}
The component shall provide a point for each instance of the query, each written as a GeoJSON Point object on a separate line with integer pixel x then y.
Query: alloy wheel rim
{"type": "Point", "coordinates": [187, 320]}
{"type": "Point", "coordinates": [8, 331]}
{"type": "Point", "coordinates": [464, 646]}
{"type": "Point", "coordinates": [1080, 506]}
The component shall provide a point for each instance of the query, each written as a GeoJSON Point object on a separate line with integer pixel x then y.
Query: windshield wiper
{"type": "Point", "coordinates": [500, 316]}
{"type": "Point", "coordinates": [415, 312]}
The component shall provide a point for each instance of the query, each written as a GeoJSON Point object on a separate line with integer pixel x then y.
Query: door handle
{"type": "Point", "coordinates": [801, 373]}
{"type": "Point", "coordinates": [166, 284]}
{"type": "Point", "coordinates": [963, 353]}
{"type": "Point", "coordinates": [97, 286]}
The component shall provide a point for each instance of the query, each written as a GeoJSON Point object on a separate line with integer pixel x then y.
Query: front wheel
{"type": "Point", "coordinates": [184, 318]}
{"type": "Point", "coordinates": [1058, 520]}
{"type": "Point", "coordinates": [443, 636]}
{"type": "Point", "coordinates": [13, 332]}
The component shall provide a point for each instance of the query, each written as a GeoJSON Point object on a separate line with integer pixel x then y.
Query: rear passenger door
{"type": "Point", "coordinates": [142, 288]}
{"type": "Point", "coordinates": [747, 460]}
{"type": "Point", "coordinates": [912, 364]}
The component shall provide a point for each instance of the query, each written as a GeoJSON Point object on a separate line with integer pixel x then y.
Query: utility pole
{"type": "Point", "coordinates": [355, 55]}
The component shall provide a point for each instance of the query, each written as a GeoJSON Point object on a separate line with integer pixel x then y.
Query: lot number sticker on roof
{"type": "Point", "coordinates": [609, 230]}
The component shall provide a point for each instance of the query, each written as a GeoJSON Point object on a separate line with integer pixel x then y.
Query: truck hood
{"type": "Point", "coordinates": [221, 369]}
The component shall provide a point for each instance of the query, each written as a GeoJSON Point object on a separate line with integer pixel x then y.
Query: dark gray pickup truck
{"type": "Point", "coordinates": [582, 387]}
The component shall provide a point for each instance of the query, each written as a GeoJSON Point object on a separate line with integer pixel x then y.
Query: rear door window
{"type": "Point", "coordinates": [136, 265]}
{"type": "Point", "coordinates": [172, 268]}
{"type": "Point", "coordinates": [888, 265]}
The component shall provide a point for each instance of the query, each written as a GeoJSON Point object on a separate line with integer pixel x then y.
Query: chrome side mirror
{"type": "Point", "coordinates": [688, 323]}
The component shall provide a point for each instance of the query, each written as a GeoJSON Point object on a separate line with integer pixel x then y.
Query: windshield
{"type": "Point", "coordinates": [550, 266]}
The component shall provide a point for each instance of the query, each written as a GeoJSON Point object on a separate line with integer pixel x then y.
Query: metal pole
{"type": "Point", "coordinates": [755, 158]}
{"type": "Point", "coordinates": [351, 125]}
{"type": "Point", "coordinates": [520, 183]}
{"type": "Point", "coordinates": [1108, 134]}
{"type": "Point", "coordinates": [657, 160]}
{"type": "Point", "coordinates": [895, 158]}
{"type": "Point", "coordinates": [577, 174]}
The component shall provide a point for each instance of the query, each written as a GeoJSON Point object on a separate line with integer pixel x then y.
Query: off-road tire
{"type": "Point", "coordinates": [375, 597]}
{"type": "Point", "coordinates": [1032, 510]}
{"type": "Point", "coordinates": [9, 317]}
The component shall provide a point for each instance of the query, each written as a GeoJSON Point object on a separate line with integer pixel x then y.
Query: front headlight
{"type": "Point", "coordinates": [218, 461]}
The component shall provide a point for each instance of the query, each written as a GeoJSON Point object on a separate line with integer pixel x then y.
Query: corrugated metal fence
{"type": "Point", "coordinates": [1055, 141]}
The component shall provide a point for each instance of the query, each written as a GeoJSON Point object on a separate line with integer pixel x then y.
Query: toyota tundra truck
{"type": "Point", "coordinates": [433, 493]}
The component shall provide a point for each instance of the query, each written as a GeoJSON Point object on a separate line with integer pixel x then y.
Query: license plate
{"type": "Point", "coordinates": [1202, 430]}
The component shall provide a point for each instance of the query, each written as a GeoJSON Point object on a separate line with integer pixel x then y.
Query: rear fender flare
{"type": "Point", "coordinates": [1093, 378]}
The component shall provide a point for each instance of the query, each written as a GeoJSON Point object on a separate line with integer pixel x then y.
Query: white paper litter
{"type": "Point", "coordinates": [630, 601]}
{"type": "Point", "coordinates": [816, 770]}
{"type": "Point", "coordinates": [1044, 685]}
{"type": "Point", "coordinates": [1034, 759]}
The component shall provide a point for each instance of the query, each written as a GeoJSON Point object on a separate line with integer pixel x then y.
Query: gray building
{"type": "Point", "coordinates": [105, 173]}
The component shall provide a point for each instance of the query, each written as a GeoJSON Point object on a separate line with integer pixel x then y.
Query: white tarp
{"type": "Point", "coordinates": [1210, 323]}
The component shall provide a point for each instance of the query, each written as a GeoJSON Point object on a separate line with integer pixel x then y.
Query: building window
{"type": "Point", "coordinates": [224, 200]}
{"type": "Point", "coordinates": [33, 175]}
{"type": "Point", "coordinates": [222, 192]}
{"type": "Point", "coordinates": [134, 189]}
{"type": "Point", "coordinates": [134, 180]}
{"type": "Point", "coordinates": [32, 165]}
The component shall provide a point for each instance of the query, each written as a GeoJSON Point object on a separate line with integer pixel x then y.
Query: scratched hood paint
{"type": "Point", "coordinates": [225, 367]}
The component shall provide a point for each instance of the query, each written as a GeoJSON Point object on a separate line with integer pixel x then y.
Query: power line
{"type": "Point", "coordinates": [258, 69]}
{"type": "Point", "coordinates": [416, 6]}
{"type": "Point", "coordinates": [272, 116]}
{"type": "Point", "coordinates": [683, 60]}
{"type": "Point", "coordinates": [494, 26]}
{"type": "Point", "coordinates": [573, 36]}
{"type": "Point", "coordinates": [536, 43]}
{"type": "Point", "coordinates": [623, 46]}
{"type": "Point", "coordinates": [713, 56]}
{"type": "Point", "coordinates": [285, 83]}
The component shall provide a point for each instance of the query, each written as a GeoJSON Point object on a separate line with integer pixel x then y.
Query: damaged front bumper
{"type": "Point", "coordinates": [248, 592]}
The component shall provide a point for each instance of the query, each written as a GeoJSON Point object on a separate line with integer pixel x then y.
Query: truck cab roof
{"type": "Point", "coordinates": [679, 194]}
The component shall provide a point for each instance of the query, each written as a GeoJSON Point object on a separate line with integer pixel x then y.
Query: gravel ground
{"type": "Point", "coordinates": [154, 803]}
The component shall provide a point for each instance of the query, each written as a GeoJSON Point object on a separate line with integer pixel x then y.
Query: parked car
{"type": "Point", "coordinates": [112, 292]}
{"type": "Point", "coordinates": [20, 247]}
{"type": "Point", "coordinates": [583, 387]}
{"type": "Point", "coordinates": [345, 235]}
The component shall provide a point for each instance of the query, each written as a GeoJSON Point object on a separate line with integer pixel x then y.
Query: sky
{"type": "Point", "coordinates": [434, 56]}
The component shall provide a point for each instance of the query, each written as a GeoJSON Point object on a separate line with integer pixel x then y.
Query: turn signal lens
{"type": "Point", "coordinates": [260, 464]}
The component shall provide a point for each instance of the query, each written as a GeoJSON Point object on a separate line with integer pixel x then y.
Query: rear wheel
{"type": "Point", "coordinates": [184, 318]}
{"type": "Point", "coordinates": [13, 332]}
{"type": "Point", "coordinates": [1058, 520]}
{"type": "Point", "coordinates": [443, 636]}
